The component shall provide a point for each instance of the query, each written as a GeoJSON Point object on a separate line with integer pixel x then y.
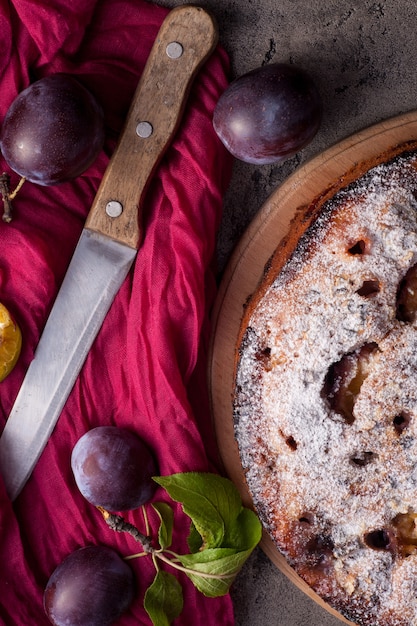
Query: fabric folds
{"type": "Point", "coordinates": [147, 368]}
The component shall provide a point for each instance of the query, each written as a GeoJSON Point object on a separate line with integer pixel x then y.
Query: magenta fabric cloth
{"type": "Point", "coordinates": [147, 368]}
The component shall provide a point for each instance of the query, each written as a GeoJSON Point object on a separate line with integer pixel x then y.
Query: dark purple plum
{"type": "Point", "coordinates": [93, 586]}
{"type": "Point", "coordinates": [53, 130]}
{"type": "Point", "coordinates": [113, 468]}
{"type": "Point", "coordinates": [268, 114]}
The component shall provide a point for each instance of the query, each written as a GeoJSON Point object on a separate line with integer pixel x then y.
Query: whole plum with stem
{"type": "Point", "coordinates": [113, 468]}
{"type": "Point", "coordinates": [268, 114]}
{"type": "Point", "coordinates": [93, 586]}
{"type": "Point", "coordinates": [53, 130]}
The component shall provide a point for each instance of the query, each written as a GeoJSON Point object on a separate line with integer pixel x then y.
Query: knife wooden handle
{"type": "Point", "coordinates": [186, 39]}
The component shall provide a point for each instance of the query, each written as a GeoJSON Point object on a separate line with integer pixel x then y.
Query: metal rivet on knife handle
{"type": "Point", "coordinates": [144, 130]}
{"type": "Point", "coordinates": [174, 50]}
{"type": "Point", "coordinates": [114, 208]}
{"type": "Point", "coordinates": [159, 100]}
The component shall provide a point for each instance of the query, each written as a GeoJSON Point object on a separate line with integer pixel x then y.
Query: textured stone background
{"type": "Point", "coordinates": [362, 55]}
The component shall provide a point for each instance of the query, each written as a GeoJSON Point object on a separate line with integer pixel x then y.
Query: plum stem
{"type": "Point", "coordinates": [5, 194]}
{"type": "Point", "coordinates": [146, 520]}
{"type": "Point", "coordinates": [118, 524]}
{"type": "Point", "coordinates": [18, 187]}
{"type": "Point", "coordinates": [8, 196]}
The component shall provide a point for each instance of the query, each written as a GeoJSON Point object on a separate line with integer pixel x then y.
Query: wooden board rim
{"type": "Point", "coordinates": [246, 267]}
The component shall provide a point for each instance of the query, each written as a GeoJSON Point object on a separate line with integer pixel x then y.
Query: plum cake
{"type": "Point", "coordinates": [325, 394]}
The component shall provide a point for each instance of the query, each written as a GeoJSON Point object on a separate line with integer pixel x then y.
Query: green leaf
{"type": "Point", "coordinates": [223, 533]}
{"type": "Point", "coordinates": [166, 515]}
{"type": "Point", "coordinates": [221, 564]}
{"type": "Point", "coordinates": [244, 533]}
{"type": "Point", "coordinates": [211, 501]}
{"type": "Point", "coordinates": [194, 540]}
{"type": "Point", "coordinates": [163, 599]}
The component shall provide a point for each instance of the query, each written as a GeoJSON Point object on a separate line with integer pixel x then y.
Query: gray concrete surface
{"type": "Point", "coordinates": [362, 55]}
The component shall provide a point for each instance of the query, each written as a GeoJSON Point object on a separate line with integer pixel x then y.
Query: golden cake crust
{"type": "Point", "coordinates": [325, 398]}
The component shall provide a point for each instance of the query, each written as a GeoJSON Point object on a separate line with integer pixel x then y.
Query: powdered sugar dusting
{"type": "Point", "coordinates": [329, 489]}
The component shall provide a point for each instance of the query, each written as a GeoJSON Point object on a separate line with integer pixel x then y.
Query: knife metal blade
{"type": "Point", "coordinates": [109, 241]}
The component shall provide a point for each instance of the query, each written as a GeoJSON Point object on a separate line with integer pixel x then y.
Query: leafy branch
{"type": "Point", "coordinates": [223, 534]}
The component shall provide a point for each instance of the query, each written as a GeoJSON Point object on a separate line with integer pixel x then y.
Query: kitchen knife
{"type": "Point", "coordinates": [109, 241]}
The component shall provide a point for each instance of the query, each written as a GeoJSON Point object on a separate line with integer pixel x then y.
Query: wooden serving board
{"type": "Point", "coordinates": [246, 267]}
